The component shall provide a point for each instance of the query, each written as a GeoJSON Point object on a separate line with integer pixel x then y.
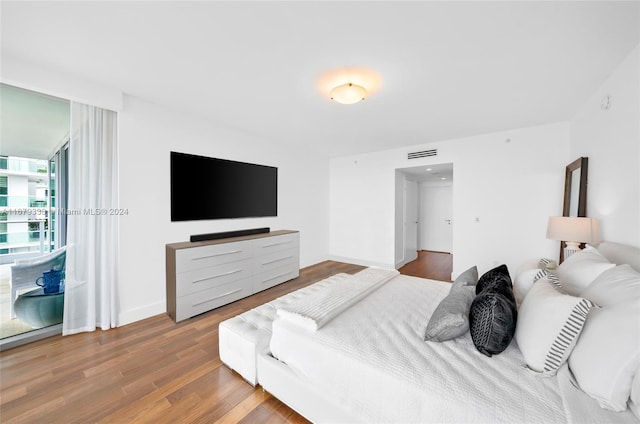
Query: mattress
{"type": "Point", "coordinates": [373, 362]}
{"type": "Point", "coordinates": [245, 336]}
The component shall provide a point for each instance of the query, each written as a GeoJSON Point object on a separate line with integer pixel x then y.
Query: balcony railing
{"type": "Point", "coordinates": [20, 165]}
{"type": "Point", "coordinates": [20, 240]}
{"type": "Point", "coordinates": [22, 201]}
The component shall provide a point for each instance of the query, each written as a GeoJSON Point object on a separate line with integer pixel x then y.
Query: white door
{"type": "Point", "coordinates": [410, 221]}
{"type": "Point", "coordinates": [436, 229]}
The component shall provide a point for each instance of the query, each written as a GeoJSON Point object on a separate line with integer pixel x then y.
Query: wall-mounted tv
{"type": "Point", "coordinates": [211, 188]}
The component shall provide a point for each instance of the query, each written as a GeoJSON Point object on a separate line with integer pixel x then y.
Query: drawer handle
{"type": "Point", "coordinates": [277, 260]}
{"type": "Point", "coordinates": [218, 254]}
{"type": "Point", "coordinates": [216, 276]}
{"type": "Point", "coordinates": [277, 276]}
{"type": "Point", "coordinates": [276, 244]}
{"type": "Point", "coordinates": [218, 297]}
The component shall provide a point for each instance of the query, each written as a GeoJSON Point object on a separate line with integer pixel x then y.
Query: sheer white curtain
{"type": "Point", "coordinates": [92, 227]}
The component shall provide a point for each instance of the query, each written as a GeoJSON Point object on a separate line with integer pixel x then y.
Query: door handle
{"type": "Point", "coordinates": [448, 221]}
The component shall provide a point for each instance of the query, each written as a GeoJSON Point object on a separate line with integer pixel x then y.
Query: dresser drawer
{"type": "Point", "coordinates": [213, 276]}
{"type": "Point", "coordinates": [268, 245]}
{"type": "Point", "coordinates": [203, 301]}
{"type": "Point", "coordinates": [274, 277]}
{"type": "Point", "coordinates": [276, 260]}
{"type": "Point", "coordinates": [206, 256]}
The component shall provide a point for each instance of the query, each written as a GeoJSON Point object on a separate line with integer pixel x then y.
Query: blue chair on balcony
{"type": "Point", "coordinates": [24, 272]}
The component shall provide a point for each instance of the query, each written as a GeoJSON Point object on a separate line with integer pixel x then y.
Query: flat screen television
{"type": "Point", "coordinates": [211, 188]}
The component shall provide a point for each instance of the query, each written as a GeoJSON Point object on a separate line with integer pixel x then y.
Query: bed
{"type": "Point", "coordinates": [370, 363]}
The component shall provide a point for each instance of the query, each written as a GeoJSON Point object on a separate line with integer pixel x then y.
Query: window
{"type": "Point", "coordinates": [3, 227]}
{"type": "Point", "coordinates": [58, 188]}
{"type": "Point", "coordinates": [3, 187]}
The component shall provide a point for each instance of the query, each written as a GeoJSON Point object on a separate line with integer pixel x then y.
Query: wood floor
{"type": "Point", "coordinates": [151, 371]}
{"type": "Point", "coordinates": [433, 265]}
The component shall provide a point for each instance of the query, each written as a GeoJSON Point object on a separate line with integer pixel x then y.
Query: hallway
{"type": "Point", "coordinates": [432, 265]}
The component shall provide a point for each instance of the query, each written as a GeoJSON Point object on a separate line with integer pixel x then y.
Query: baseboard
{"type": "Point", "coordinates": [137, 314]}
{"type": "Point", "coordinates": [435, 251]}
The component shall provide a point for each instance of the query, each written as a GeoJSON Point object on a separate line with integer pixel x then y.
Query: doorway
{"type": "Point", "coordinates": [35, 129]}
{"type": "Point", "coordinates": [431, 265]}
{"type": "Point", "coordinates": [435, 212]}
{"type": "Point", "coordinates": [410, 224]}
{"type": "Point", "coordinates": [430, 188]}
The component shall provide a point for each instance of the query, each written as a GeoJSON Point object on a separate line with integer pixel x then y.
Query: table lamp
{"type": "Point", "coordinates": [573, 230]}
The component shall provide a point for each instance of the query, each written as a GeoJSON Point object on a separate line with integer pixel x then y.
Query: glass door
{"type": "Point", "coordinates": [32, 189]}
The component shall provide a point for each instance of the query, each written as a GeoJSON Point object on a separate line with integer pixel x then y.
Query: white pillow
{"type": "Point", "coordinates": [549, 323]}
{"type": "Point", "coordinates": [635, 409]}
{"type": "Point", "coordinates": [607, 355]}
{"type": "Point", "coordinates": [523, 283]}
{"type": "Point", "coordinates": [580, 269]}
{"type": "Point", "coordinates": [525, 279]}
{"type": "Point", "coordinates": [634, 401]}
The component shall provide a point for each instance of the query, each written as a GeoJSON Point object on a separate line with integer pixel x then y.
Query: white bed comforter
{"type": "Point", "coordinates": [373, 360]}
{"type": "Point", "coordinates": [320, 307]}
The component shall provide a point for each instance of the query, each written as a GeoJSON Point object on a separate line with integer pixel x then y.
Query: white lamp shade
{"type": "Point", "coordinates": [348, 93]}
{"type": "Point", "coordinates": [573, 229]}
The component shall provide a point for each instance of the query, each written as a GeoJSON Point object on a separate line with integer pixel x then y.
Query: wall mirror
{"type": "Point", "coordinates": [575, 192]}
{"type": "Point", "coordinates": [575, 188]}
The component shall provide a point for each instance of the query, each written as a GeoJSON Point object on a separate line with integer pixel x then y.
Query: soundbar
{"type": "Point", "coordinates": [227, 234]}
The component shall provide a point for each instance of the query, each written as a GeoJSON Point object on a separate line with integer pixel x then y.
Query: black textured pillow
{"type": "Point", "coordinates": [493, 314]}
{"type": "Point", "coordinates": [496, 279]}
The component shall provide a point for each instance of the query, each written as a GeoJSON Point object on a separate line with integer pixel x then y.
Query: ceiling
{"type": "Point", "coordinates": [440, 174]}
{"type": "Point", "coordinates": [31, 124]}
{"type": "Point", "coordinates": [443, 69]}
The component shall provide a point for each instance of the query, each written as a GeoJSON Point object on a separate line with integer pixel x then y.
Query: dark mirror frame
{"type": "Point", "coordinates": [582, 164]}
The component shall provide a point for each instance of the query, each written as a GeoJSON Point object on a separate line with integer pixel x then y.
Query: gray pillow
{"type": "Point", "coordinates": [468, 278]}
{"type": "Point", "coordinates": [451, 317]}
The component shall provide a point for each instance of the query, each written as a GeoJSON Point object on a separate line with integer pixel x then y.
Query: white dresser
{"type": "Point", "coordinates": [206, 275]}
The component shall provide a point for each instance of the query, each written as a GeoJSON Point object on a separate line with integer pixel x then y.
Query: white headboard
{"type": "Point", "coordinates": [620, 253]}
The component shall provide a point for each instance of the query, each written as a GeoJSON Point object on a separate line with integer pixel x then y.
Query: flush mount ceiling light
{"type": "Point", "coordinates": [348, 94]}
{"type": "Point", "coordinates": [348, 85]}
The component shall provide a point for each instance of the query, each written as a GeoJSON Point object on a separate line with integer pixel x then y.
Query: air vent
{"type": "Point", "coordinates": [422, 154]}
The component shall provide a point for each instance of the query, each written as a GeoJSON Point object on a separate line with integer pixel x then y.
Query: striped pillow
{"type": "Point", "coordinates": [545, 263]}
{"type": "Point", "coordinates": [547, 266]}
{"type": "Point", "coordinates": [555, 281]}
{"type": "Point", "coordinates": [549, 324]}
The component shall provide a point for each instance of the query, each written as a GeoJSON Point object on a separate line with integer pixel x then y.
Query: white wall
{"type": "Point", "coordinates": [147, 134]}
{"type": "Point", "coordinates": [611, 141]}
{"type": "Point", "coordinates": [512, 187]}
{"type": "Point", "coordinates": [362, 209]}
{"type": "Point", "coordinates": [18, 191]}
